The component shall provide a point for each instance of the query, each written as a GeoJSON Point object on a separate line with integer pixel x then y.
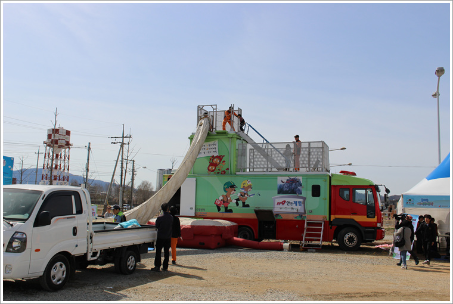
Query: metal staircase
{"type": "Point", "coordinates": [260, 150]}
{"type": "Point", "coordinates": [313, 233]}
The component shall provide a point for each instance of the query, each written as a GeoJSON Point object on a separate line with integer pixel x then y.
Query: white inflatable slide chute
{"type": "Point", "coordinates": [147, 210]}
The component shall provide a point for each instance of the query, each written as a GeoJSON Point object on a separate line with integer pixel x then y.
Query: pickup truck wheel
{"type": "Point", "coordinates": [128, 262]}
{"type": "Point", "coordinates": [349, 239]}
{"type": "Point", "coordinates": [56, 273]}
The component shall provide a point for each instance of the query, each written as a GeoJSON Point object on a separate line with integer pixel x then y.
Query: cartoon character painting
{"type": "Point", "coordinates": [216, 164]}
{"type": "Point", "coordinates": [225, 199]}
{"type": "Point", "coordinates": [246, 186]}
{"type": "Point", "coordinates": [292, 185]}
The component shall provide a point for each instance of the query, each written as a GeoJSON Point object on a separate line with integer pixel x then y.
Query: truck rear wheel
{"type": "Point", "coordinates": [349, 239]}
{"type": "Point", "coordinates": [245, 233]}
{"type": "Point", "coordinates": [128, 262]}
{"type": "Point", "coordinates": [56, 273]}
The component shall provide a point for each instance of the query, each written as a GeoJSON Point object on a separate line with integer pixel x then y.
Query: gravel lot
{"type": "Point", "coordinates": [239, 274]}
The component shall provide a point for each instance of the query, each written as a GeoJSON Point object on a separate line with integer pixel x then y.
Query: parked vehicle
{"type": "Point", "coordinates": [48, 232]}
{"type": "Point", "coordinates": [259, 187]}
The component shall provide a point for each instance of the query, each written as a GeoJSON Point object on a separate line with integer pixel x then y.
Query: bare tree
{"type": "Point", "coordinates": [144, 191]}
{"type": "Point", "coordinates": [173, 161]}
{"type": "Point", "coordinates": [74, 183]}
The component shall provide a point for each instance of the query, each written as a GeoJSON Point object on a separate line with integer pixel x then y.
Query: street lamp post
{"type": "Point", "coordinates": [439, 72]}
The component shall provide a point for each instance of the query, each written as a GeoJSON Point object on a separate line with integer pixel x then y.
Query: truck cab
{"type": "Point", "coordinates": [355, 211]}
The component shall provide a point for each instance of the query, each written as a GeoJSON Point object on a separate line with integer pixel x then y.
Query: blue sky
{"type": "Point", "coordinates": [358, 75]}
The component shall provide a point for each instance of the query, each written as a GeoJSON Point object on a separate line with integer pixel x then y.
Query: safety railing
{"type": "Point", "coordinates": [283, 156]}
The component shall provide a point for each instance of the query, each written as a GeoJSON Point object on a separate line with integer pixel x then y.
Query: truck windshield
{"type": "Point", "coordinates": [18, 204]}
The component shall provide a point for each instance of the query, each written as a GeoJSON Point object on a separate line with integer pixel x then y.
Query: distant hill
{"type": "Point", "coordinates": [29, 176]}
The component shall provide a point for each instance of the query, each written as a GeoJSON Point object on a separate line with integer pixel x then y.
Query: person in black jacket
{"type": "Point", "coordinates": [175, 233]}
{"type": "Point", "coordinates": [429, 238]}
{"type": "Point", "coordinates": [164, 224]}
{"type": "Point", "coordinates": [418, 234]}
{"type": "Point", "coordinates": [407, 222]}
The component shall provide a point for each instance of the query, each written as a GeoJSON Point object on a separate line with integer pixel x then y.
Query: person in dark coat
{"type": "Point", "coordinates": [429, 238]}
{"type": "Point", "coordinates": [407, 222]}
{"type": "Point", "coordinates": [164, 224]}
{"type": "Point", "coordinates": [175, 233]}
{"type": "Point", "coordinates": [418, 234]}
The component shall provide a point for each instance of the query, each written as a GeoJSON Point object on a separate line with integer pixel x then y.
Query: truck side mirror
{"type": "Point", "coordinates": [43, 219]}
{"type": "Point", "coordinates": [386, 197]}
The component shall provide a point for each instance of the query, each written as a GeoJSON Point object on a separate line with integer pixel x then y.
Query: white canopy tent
{"type": "Point", "coordinates": [431, 196]}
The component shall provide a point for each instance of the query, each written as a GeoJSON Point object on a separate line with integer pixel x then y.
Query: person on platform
{"type": "Point", "coordinates": [227, 118]}
{"type": "Point", "coordinates": [296, 152]}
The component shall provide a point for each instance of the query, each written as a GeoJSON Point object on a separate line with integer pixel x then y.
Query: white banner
{"type": "Point", "coordinates": [209, 149]}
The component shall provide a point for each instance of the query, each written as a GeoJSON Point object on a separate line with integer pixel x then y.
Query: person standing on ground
{"type": "Point", "coordinates": [429, 238]}
{"type": "Point", "coordinates": [407, 222]}
{"type": "Point", "coordinates": [118, 216]}
{"type": "Point", "coordinates": [418, 234]}
{"type": "Point", "coordinates": [109, 212]}
{"type": "Point", "coordinates": [164, 224]}
{"type": "Point", "coordinates": [296, 152]}
{"type": "Point", "coordinates": [406, 233]}
{"type": "Point", "coordinates": [175, 233]}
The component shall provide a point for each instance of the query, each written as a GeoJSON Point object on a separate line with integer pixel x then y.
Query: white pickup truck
{"type": "Point", "coordinates": [48, 232]}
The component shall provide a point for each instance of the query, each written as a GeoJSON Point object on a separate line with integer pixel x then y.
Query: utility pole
{"type": "Point", "coordinates": [37, 163]}
{"type": "Point", "coordinates": [111, 181]}
{"type": "Point", "coordinates": [87, 166]}
{"type": "Point", "coordinates": [53, 148]}
{"type": "Point", "coordinates": [120, 201]}
{"type": "Point", "coordinates": [127, 162]}
{"type": "Point", "coordinates": [132, 182]}
{"type": "Point", "coordinates": [21, 168]}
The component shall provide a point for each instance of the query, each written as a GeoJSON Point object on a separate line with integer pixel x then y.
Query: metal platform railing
{"type": "Point", "coordinates": [314, 156]}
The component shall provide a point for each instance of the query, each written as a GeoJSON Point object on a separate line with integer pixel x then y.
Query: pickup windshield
{"type": "Point", "coordinates": [18, 204]}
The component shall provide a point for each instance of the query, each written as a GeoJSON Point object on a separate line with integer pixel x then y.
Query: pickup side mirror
{"type": "Point", "coordinates": [43, 219]}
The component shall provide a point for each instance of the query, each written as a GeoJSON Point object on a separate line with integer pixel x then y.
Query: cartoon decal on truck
{"type": "Point", "coordinates": [246, 187]}
{"type": "Point", "coordinates": [225, 199]}
{"type": "Point", "coordinates": [216, 164]}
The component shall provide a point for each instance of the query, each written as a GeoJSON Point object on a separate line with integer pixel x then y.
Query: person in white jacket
{"type": "Point", "coordinates": [406, 231]}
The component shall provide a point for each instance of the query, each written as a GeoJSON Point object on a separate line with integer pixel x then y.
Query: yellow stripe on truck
{"type": "Point", "coordinates": [357, 218]}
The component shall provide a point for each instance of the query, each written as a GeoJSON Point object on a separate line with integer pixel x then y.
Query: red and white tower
{"type": "Point", "coordinates": [58, 146]}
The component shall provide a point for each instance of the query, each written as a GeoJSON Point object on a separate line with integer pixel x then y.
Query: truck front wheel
{"type": "Point", "coordinates": [128, 262]}
{"type": "Point", "coordinates": [349, 239]}
{"type": "Point", "coordinates": [56, 273]}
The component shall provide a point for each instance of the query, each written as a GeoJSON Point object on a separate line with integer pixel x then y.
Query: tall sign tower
{"type": "Point", "coordinates": [56, 157]}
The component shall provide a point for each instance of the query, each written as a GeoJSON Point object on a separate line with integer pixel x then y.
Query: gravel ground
{"type": "Point", "coordinates": [240, 274]}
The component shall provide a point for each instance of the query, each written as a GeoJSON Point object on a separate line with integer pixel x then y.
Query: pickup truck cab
{"type": "Point", "coordinates": [48, 232]}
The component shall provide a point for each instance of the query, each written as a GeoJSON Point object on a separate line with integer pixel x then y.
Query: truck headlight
{"type": "Point", "coordinates": [8, 268]}
{"type": "Point", "coordinates": [379, 224]}
{"type": "Point", "coordinates": [17, 243]}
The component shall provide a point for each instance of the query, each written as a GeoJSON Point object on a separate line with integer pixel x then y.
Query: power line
{"type": "Point", "coordinates": [387, 166]}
